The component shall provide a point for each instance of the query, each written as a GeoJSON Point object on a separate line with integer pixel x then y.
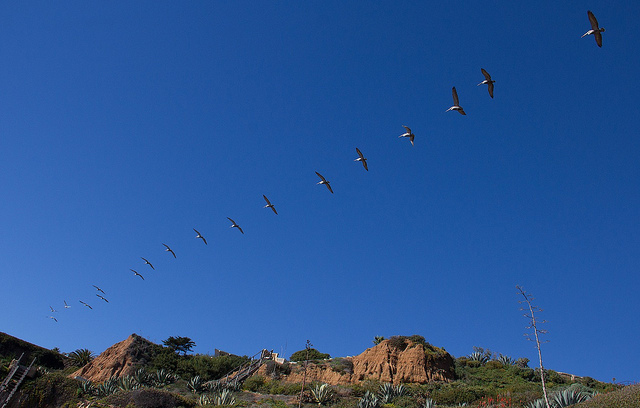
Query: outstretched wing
{"type": "Point", "coordinates": [456, 102]}
{"type": "Point", "coordinates": [490, 89]}
{"type": "Point", "coordinates": [598, 36]}
{"type": "Point", "coordinates": [486, 74]}
{"type": "Point", "coordinates": [592, 20]}
{"type": "Point", "coordinates": [359, 153]}
{"type": "Point", "coordinates": [266, 199]}
{"type": "Point", "coordinates": [321, 177]}
{"type": "Point", "coordinates": [407, 128]}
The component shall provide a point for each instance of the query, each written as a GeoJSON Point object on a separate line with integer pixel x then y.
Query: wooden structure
{"type": "Point", "coordinates": [17, 374]}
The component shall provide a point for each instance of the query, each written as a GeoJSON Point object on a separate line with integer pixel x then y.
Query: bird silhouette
{"type": "Point", "coordinates": [200, 236]}
{"type": "Point", "coordinates": [137, 274]}
{"type": "Point", "coordinates": [408, 134]}
{"type": "Point", "coordinates": [102, 297]}
{"type": "Point", "coordinates": [234, 225]}
{"type": "Point", "coordinates": [269, 205]}
{"type": "Point", "coordinates": [595, 29]}
{"type": "Point", "coordinates": [324, 181]}
{"type": "Point", "coordinates": [99, 290]}
{"type": "Point", "coordinates": [86, 304]}
{"type": "Point", "coordinates": [148, 263]}
{"type": "Point", "coordinates": [487, 81]}
{"type": "Point", "coordinates": [456, 103]}
{"type": "Point", "coordinates": [169, 250]}
{"type": "Point", "coordinates": [362, 159]}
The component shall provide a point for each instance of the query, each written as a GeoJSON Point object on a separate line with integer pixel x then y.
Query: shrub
{"type": "Point", "coordinates": [148, 398]}
{"type": "Point", "coordinates": [342, 365]}
{"type": "Point", "coordinates": [398, 342]}
{"type": "Point", "coordinates": [49, 390]}
{"type": "Point", "coordinates": [254, 383]}
{"type": "Point", "coordinates": [81, 357]}
{"type": "Point", "coordinates": [314, 354]}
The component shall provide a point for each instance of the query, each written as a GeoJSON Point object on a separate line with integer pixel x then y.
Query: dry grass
{"type": "Point", "coordinates": [628, 397]}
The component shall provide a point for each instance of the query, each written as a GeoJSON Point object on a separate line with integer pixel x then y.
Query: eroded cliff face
{"type": "Point", "coordinates": [116, 361]}
{"type": "Point", "coordinates": [385, 362]}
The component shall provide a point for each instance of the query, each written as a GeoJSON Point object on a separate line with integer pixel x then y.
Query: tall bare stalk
{"type": "Point", "coordinates": [304, 378]}
{"type": "Point", "coordinates": [536, 333]}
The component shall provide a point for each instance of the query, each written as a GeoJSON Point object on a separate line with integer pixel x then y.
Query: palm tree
{"type": "Point", "coordinates": [81, 357]}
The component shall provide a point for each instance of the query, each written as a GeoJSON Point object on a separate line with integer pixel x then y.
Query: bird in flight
{"type": "Point", "coordinates": [99, 290]}
{"type": "Point", "coordinates": [234, 225]}
{"type": "Point", "coordinates": [595, 29]}
{"type": "Point", "coordinates": [148, 263]}
{"type": "Point", "coordinates": [269, 205]}
{"type": "Point", "coordinates": [102, 297]}
{"type": "Point", "coordinates": [137, 274]}
{"type": "Point", "coordinates": [362, 159]}
{"type": "Point", "coordinates": [51, 317]}
{"type": "Point", "coordinates": [52, 309]}
{"type": "Point", "coordinates": [408, 134]}
{"type": "Point", "coordinates": [86, 304]}
{"type": "Point", "coordinates": [487, 81]}
{"type": "Point", "coordinates": [200, 236]}
{"type": "Point", "coordinates": [169, 250]}
{"type": "Point", "coordinates": [456, 104]}
{"type": "Point", "coordinates": [66, 306]}
{"type": "Point", "coordinates": [324, 181]}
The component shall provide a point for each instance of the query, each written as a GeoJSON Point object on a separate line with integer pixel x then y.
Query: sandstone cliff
{"type": "Point", "coordinates": [387, 362]}
{"type": "Point", "coordinates": [120, 359]}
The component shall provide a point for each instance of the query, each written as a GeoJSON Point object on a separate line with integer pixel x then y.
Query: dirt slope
{"type": "Point", "coordinates": [118, 360]}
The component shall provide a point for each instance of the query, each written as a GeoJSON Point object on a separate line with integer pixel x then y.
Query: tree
{"type": "Point", "coordinates": [533, 324]}
{"type": "Point", "coordinates": [378, 339]}
{"type": "Point", "coordinates": [309, 354]}
{"type": "Point", "coordinates": [179, 344]}
{"type": "Point", "coordinates": [81, 357]}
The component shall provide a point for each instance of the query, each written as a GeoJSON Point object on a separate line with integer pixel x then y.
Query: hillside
{"type": "Point", "coordinates": [138, 373]}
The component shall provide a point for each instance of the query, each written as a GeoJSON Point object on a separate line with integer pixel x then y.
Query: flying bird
{"type": "Point", "coordinates": [200, 236]}
{"type": "Point", "coordinates": [269, 205]}
{"type": "Point", "coordinates": [595, 30]}
{"type": "Point", "coordinates": [102, 297]}
{"type": "Point", "coordinates": [99, 290]}
{"type": "Point", "coordinates": [324, 181]}
{"type": "Point", "coordinates": [148, 263]}
{"type": "Point", "coordinates": [51, 317]}
{"type": "Point", "coordinates": [86, 304]}
{"type": "Point", "coordinates": [408, 134]}
{"type": "Point", "coordinates": [362, 159]}
{"type": "Point", "coordinates": [487, 81]}
{"type": "Point", "coordinates": [52, 309]}
{"type": "Point", "coordinates": [66, 306]}
{"type": "Point", "coordinates": [137, 274]}
{"type": "Point", "coordinates": [456, 104]}
{"type": "Point", "coordinates": [169, 250]}
{"type": "Point", "coordinates": [234, 225]}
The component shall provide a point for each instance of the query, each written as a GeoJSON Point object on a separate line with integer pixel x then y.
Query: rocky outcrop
{"type": "Point", "coordinates": [118, 360]}
{"type": "Point", "coordinates": [407, 362]}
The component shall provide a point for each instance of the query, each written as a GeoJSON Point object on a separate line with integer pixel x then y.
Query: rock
{"type": "Point", "coordinates": [119, 360]}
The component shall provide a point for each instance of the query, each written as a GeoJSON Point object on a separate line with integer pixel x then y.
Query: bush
{"type": "Point", "coordinates": [148, 398]}
{"type": "Point", "coordinates": [398, 342]}
{"type": "Point", "coordinates": [342, 365]}
{"type": "Point", "coordinates": [313, 355]}
{"type": "Point", "coordinates": [49, 390]}
{"type": "Point", "coordinates": [254, 383]}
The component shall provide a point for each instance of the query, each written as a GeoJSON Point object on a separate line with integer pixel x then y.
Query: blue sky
{"type": "Point", "coordinates": [124, 125]}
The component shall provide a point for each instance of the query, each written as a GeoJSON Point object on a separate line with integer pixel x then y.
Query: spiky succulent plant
{"type": "Point", "coordinates": [195, 384]}
{"type": "Point", "coordinates": [224, 398]}
{"type": "Point", "coordinates": [369, 400]}
{"type": "Point", "coordinates": [429, 403]}
{"type": "Point", "coordinates": [322, 393]}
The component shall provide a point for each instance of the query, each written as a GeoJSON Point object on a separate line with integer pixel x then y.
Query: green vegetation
{"type": "Point", "coordinates": [313, 355]}
{"type": "Point", "coordinates": [179, 344]}
{"type": "Point", "coordinates": [81, 357]}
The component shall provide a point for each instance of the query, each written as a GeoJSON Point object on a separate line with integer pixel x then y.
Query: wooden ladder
{"type": "Point", "coordinates": [12, 382]}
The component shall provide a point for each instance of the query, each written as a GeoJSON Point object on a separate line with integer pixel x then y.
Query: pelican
{"type": "Point", "coordinates": [362, 159]}
{"type": "Point", "coordinates": [234, 225]}
{"type": "Point", "coordinates": [66, 306]}
{"type": "Point", "coordinates": [52, 309]}
{"type": "Point", "coordinates": [595, 30]}
{"type": "Point", "coordinates": [137, 274]}
{"type": "Point", "coordinates": [456, 104]}
{"type": "Point", "coordinates": [86, 304]}
{"type": "Point", "coordinates": [487, 81]}
{"type": "Point", "coordinates": [324, 181]}
{"type": "Point", "coordinates": [99, 290]}
{"type": "Point", "coordinates": [169, 250]}
{"type": "Point", "coordinates": [51, 317]}
{"type": "Point", "coordinates": [269, 205]}
{"type": "Point", "coordinates": [200, 236]}
{"type": "Point", "coordinates": [408, 134]}
{"type": "Point", "coordinates": [148, 263]}
{"type": "Point", "coordinates": [102, 297]}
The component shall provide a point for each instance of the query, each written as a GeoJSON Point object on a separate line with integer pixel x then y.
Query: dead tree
{"type": "Point", "coordinates": [537, 332]}
{"type": "Point", "coordinates": [304, 378]}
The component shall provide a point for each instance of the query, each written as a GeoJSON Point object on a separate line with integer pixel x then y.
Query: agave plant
{"type": "Point", "coordinates": [539, 403]}
{"type": "Point", "coordinates": [388, 392]}
{"type": "Point", "coordinates": [128, 383]}
{"type": "Point", "coordinates": [429, 403]}
{"type": "Point", "coordinates": [322, 393]}
{"type": "Point", "coordinates": [568, 397]}
{"type": "Point", "coordinates": [195, 384]}
{"type": "Point", "coordinates": [232, 386]}
{"type": "Point", "coordinates": [399, 390]}
{"type": "Point", "coordinates": [369, 400]}
{"type": "Point", "coordinates": [478, 356]}
{"type": "Point", "coordinates": [142, 377]}
{"type": "Point", "coordinates": [204, 400]}
{"type": "Point", "coordinates": [506, 360]}
{"type": "Point", "coordinates": [213, 386]}
{"type": "Point", "coordinates": [87, 388]}
{"type": "Point", "coordinates": [81, 357]}
{"type": "Point", "coordinates": [163, 377]}
{"type": "Point", "coordinates": [224, 398]}
{"type": "Point", "coordinates": [107, 388]}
